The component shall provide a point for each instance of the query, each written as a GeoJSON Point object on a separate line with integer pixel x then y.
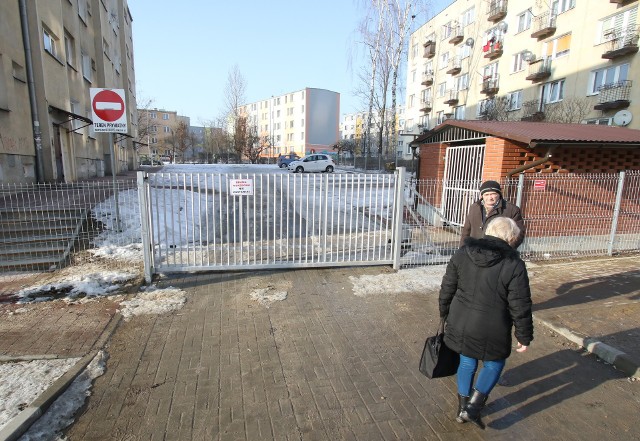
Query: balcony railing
{"type": "Point", "coordinates": [490, 85]}
{"type": "Point", "coordinates": [539, 70]}
{"type": "Point", "coordinates": [427, 78]}
{"type": "Point", "coordinates": [531, 111]}
{"type": "Point", "coordinates": [425, 105]}
{"type": "Point", "coordinates": [451, 97]}
{"type": "Point", "coordinates": [544, 25]}
{"type": "Point", "coordinates": [497, 10]}
{"type": "Point", "coordinates": [493, 49]}
{"type": "Point", "coordinates": [455, 66]}
{"type": "Point", "coordinates": [429, 49]}
{"type": "Point", "coordinates": [614, 96]}
{"type": "Point", "coordinates": [624, 44]}
{"type": "Point", "coordinates": [457, 34]}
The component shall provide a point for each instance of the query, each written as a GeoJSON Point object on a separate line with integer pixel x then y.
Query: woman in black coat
{"type": "Point", "coordinates": [484, 293]}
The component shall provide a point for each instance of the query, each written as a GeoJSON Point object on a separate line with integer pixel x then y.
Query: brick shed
{"type": "Point", "coordinates": [573, 161]}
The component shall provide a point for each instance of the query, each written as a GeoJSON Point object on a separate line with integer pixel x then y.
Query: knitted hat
{"type": "Point", "coordinates": [490, 186]}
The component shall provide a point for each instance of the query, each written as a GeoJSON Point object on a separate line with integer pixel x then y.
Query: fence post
{"type": "Point", "coordinates": [398, 211]}
{"type": "Point", "coordinates": [616, 213]}
{"type": "Point", "coordinates": [147, 252]}
{"type": "Point", "coordinates": [520, 190]}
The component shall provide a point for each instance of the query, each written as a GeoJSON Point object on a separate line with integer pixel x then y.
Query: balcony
{"type": "Point", "coordinates": [451, 97]}
{"type": "Point", "coordinates": [493, 49]}
{"type": "Point", "coordinates": [539, 70]}
{"type": "Point", "coordinates": [614, 96]}
{"type": "Point", "coordinates": [457, 35]}
{"type": "Point", "coordinates": [429, 49]}
{"type": "Point", "coordinates": [455, 66]}
{"type": "Point", "coordinates": [621, 2]}
{"type": "Point", "coordinates": [490, 85]}
{"type": "Point", "coordinates": [531, 111]}
{"type": "Point", "coordinates": [425, 105]}
{"type": "Point", "coordinates": [544, 25]}
{"type": "Point", "coordinates": [427, 78]}
{"type": "Point", "coordinates": [497, 10]}
{"type": "Point", "coordinates": [625, 44]}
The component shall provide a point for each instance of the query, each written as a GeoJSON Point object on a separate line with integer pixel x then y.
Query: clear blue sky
{"type": "Point", "coordinates": [184, 50]}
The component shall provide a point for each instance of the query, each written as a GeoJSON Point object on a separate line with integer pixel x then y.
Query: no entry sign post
{"type": "Point", "coordinates": [110, 116]}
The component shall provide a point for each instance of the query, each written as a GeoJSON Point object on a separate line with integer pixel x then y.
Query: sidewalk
{"type": "Point", "coordinates": [327, 364]}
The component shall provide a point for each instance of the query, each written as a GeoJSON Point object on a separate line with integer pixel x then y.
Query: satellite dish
{"type": "Point", "coordinates": [622, 118]}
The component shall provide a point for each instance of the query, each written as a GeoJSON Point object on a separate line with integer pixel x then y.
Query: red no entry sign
{"type": "Point", "coordinates": [109, 110]}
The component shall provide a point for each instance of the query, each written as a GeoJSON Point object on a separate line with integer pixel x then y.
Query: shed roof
{"type": "Point", "coordinates": [541, 132]}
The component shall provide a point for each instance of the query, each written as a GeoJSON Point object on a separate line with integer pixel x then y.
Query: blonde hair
{"type": "Point", "coordinates": [503, 228]}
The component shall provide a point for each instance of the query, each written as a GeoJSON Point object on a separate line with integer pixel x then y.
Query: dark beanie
{"type": "Point", "coordinates": [490, 186]}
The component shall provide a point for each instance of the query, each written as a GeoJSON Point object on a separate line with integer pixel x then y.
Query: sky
{"type": "Point", "coordinates": [184, 51]}
{"type": "Point", "coordinates": [88, 284]}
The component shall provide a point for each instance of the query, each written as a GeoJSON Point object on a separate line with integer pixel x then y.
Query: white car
{"type": "Point", "coordinates": [313, 163]}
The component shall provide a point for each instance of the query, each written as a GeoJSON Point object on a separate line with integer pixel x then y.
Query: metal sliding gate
{"type": "Point", "coordinates": [462, 176]}
{"type": "Point", "coordinates": [204, 221]}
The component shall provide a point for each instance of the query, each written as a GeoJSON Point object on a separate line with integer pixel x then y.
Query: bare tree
{"type": "Point", "coordinates": [181, 139]}
{"type": "Point", "coordinates": [143, 124]}
{"type": "Point", "coordinates": [498, 109]}
{"type": "Point", "coordinates": [234, 98]}
{"type": "Point", "coordinates": [569, 110]}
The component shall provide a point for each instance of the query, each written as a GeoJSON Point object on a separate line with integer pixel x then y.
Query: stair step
{"type": "Point", "coordinates": [7, 215]}
{"type": "Point", "coordinates": [44, 262]}
{"type": "Point", "coordinates": [7, 241]}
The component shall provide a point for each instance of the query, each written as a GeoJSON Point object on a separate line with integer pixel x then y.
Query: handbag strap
{"type": "Point", "coordinates": [441, 326]}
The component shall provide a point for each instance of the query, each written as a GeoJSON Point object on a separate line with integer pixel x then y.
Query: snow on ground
{"type": "Point", "coordinates": [266, 296]}
{"type": "Point", "coordinates": [153, 301]}
{"type": "Point", "coordinates": [408, 280]}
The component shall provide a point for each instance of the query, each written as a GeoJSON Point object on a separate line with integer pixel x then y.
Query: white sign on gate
{"type": "Point", "coordinates": [241, 187]}
{"type": "Point", "coordinates": [108, 109]}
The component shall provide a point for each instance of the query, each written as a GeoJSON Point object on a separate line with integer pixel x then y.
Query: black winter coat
{"type": "Point", "coordinates": [485, 291]}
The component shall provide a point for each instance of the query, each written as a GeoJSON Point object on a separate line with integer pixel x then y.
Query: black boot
{"type": "Point", "coordinates": [462, 403]}
{"type": "Point", "coordinates": [471, 412]}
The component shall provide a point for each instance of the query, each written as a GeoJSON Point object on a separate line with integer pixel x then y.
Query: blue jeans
{"type": "Point", "coordinates": [487, 378]}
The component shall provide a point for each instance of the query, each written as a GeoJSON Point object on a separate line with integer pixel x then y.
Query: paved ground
{"type": "Point", "coordinates": [325, 364]}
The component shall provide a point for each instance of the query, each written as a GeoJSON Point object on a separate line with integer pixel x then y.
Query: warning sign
{"type": "Point", "coordinates": [241, 187]}
{"type": "Point", "coordinates": [539, 185]}
{"type": "Point", "coordinates": [109, 110]}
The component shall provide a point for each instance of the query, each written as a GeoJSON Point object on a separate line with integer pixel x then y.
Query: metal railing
{"type": "Point", "coordinates": [619, 91]}
{"type": "Point", "coordinates": [628, 37]}
{"type": "Point", "coordinates": [496, 8]}
{"type": "Point", "coordinates": [540, 67]}
{"type": "Point", "coordinates": [546, 20]}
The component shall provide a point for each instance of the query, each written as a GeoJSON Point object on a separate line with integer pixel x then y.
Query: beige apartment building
{"type": "Point", "coordinates": [161, 128]}
{"type": "Point", "coordinates": [512, 60]}
{"type": "Point", "coordinates": [298, 122]}
{"type": "Point", "coordinates": [51, 53]}
{"type": "Point", "coordinates": [353, 125]}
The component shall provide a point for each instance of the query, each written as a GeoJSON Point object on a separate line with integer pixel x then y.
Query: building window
{"type": "Point", "coordinates": [482, 109]}
{"type": "Point", "coordinates": [87, 71]}
{"type": "Point", "coordinates": [468, 16]}
{"type": "Point", "coordinates": [490, 72]}
{"type": "Point", "coordinates": [49, 42]}
{"type": "Point", "coordinates": [524, 20]}
{"type": "Point", "coordinates": [440, 117]}
{"type": "Point", "coordinates": [514, 100]}
{"type": "Point", "coordinates": [560, 6]}
{"type": "Point", "coordinates": [458, 112]}
{"type": "Point", "coordinates": [166, 129]}
{"type": "Point", "coordinates": [517, 64]}
{"type": "Point", "coordinates": [618, 26]}
{"type": "Point", "coordinates": [552, 92]}
{"type": "Point", "coordinates": [557, 47]}
{"type": "Point", "coordinates": [414, 50]}
{"type": "Point", "coordinates": [607, 76]}
{"type": "Point", "coordinates": [446, 31]}
{"type": "Point", "coordinates": [153, 115]}
{"type": "Point", "coordinates": [464, 51]}
{"type": "Point", "coordinates": [442, 89]}
{"type": "Point", "coordinates": [462, 82]}
{"type": "Point", "coordinates": [165, 116]}
{"type": "Point", "coordinates": [75, 108]}
{"type": "Point", "coordinates": [69, 49]}
{"type": "Point", "coordinates": [4, 89]}
{"type": "Point", "coordinates": [444, 60]}
{"type": "Point", "coordinates": [599, 121]}
{"type": "Point", "coordinates": [83, 9]}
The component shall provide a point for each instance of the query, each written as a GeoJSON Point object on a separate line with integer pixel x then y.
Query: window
{"type": "Point", "coordinates": [524, 20]}
{"type": "Point", "coordinates": [517, 63]}
{"type": "Point", "coordinates": [607, 76]}
{"type": "Point", "coordinates": [105, 49]}
{"type": "Point", "coordinates": [464, 51]}
{"type": "Point", "coordinates": [75, 108]}
{"type": "Point", "coordinates": [560, 6]}
{"type": "Point", "coordinates": [444, 60]}
{"type": "Point", "coordinates": [467, 17]}
{"type": "Point", "coordinates": [599, 121]}
{"type": "Point", "coordinates": [414, 50]}
{"type": "Point", "coordinates": [412, 99]}
{"type": "Point", "coordinates": [618, 26]}
{"type": "Point", "coordinates": [87, 71]}
{"type": "Point", "coordinates": [49, 42]}
{"type": "Point", "coordinates": [165, 116]}
{"type": "Point", "coordinates": [490, 72]}
{"type": "Point", "coordinates": [291, 124]}
{"type": "Point", "coordinates": [552, 92]}
{"type": "Point", "coordinates": [557, 47]}
{"type": "Point", "coordinates": [462, 82]}
{"type": "Point", "coordinates": [154, 115]}
{"type": "Point", "coordinates": [514, 100]}
{"type": "Point", "coordinates": [4, 90]}
{"type": "Point", "coordinates": [442, 89]}
{"type": "Point", "coordinates": [429, 67]}
{"type": "Point", "coordinates": [440, 117]}
{"type": "Point", "coordinates": [166, 129]}
{"type": "Point", "coordinates": [83, 10]}
{"type": "Point", "coordinates": [69, 49]}
{"type": "Point", "coordinates": [446, 31]}
{"type": "Point", "coordinates": [458, 112]}
{"type": "Point", "coordinates": [18, 71]}
{"type": "Point", "coordinates": [483, 107]}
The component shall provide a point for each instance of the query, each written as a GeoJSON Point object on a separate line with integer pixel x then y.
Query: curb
{"type": "Point", "coordinates": [21, 422]}
{"type": "Point", "coordinates": [620, 360]}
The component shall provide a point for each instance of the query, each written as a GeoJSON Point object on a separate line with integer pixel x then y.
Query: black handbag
{"type": "Point", "coordinates": [437, 359]}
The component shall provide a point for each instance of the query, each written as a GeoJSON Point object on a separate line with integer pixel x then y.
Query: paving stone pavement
{"type": "Point", "coordinates": [325, 364]}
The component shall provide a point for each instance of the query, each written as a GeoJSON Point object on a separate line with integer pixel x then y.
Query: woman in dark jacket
{"type": "Point", "coordinates": [484, 293]}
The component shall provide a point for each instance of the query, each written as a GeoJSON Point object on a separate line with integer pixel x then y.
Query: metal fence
{"type": "Point", "coordinates": [310, 220]}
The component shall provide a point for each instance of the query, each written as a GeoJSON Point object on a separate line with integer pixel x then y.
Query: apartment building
{"type": "Point", "coordinates": [352, 127]}
{"type": "Point", "coordinates": [51, 53]}
{"type": "Point", "coordinates": [296, 122]}
{"type": "Point", "coordinates": [162, 132]}
{"type": "Point", "coordinates": [523, 60]}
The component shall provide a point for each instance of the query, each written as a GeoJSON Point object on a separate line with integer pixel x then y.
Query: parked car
{"type": "Point", "coordinates": [285, 160]}
{"type": "Point", "coordinates": [313, 163]}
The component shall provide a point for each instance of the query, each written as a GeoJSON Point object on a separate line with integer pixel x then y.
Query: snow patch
{"type": "Point", "coordinates": [406, 280]}
{"type": "Point", "coordinates": [262, 296]}
{"type": "Point", "coordinates": [153, 301]}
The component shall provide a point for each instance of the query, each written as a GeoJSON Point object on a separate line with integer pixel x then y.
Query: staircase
{"type": "Point", "coordinates": [38, 239]}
